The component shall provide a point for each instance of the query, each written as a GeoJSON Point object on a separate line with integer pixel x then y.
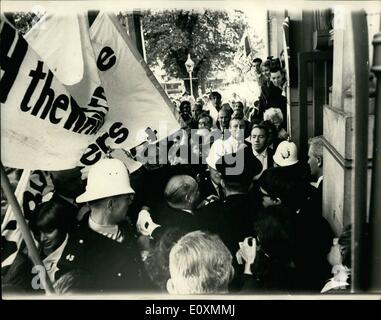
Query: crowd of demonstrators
{"type": "Point", "coordinates": [232, 209]}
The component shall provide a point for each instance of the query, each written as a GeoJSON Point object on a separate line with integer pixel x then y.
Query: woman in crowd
{"type": "Point", "coordinates": [275, 115]}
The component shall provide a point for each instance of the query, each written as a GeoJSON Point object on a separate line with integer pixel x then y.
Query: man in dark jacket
{"type": "Point", "coordinates": [232, 218]}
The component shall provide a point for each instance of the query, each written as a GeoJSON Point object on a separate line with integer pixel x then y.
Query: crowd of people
{"type": "Point", "coordinates": [234, 210]}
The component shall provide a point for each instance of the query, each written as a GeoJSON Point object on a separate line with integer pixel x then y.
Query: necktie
{"type": "Point", "coordinates": [221, 192]}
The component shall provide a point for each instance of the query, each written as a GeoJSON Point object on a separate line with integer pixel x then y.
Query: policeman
{"type": "Point", "coordinates": [103, 244]}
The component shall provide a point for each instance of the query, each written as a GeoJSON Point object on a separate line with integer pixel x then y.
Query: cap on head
{"type": "Point", "coordinates": [107, 178]}
{"type": "Point", "coordinates": [286, 154]}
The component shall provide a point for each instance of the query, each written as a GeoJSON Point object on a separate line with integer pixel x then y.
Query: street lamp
{"type": "Point", "coordinates": [189, 64]}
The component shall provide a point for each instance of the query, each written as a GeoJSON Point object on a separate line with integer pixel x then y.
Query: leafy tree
{"type": "Point", "coordinates": [24, 21]}
{"type": "Point", "coordinates": [211, 37]}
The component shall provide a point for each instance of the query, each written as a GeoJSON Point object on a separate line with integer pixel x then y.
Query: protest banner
{"type": "Point", "coordinates": [109, 61]}
{"type": "Point", "coordinates": [129, 84]}
{"type": "Point", "coordinates": [42, 125]}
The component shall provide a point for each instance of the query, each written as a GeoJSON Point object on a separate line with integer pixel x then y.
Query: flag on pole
{"type": "Point", "coordinates": [286, 53]}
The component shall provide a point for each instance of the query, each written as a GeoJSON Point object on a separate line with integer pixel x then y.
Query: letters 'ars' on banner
{"type": "Point", "coordinates": [42, 125]}
{"type": "Point", "coordinates": [132, 91]}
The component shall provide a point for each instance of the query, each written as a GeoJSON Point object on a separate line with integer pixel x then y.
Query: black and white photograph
{"type": "Point", "coordinates": [209, 150]}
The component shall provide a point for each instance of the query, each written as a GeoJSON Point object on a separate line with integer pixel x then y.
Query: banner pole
{"type": "Point", "coordinates": [20, 189]}
{"type": "Point", "coordinates": [32, 249]}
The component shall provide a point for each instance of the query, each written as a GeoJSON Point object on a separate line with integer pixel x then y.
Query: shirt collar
{"type": "Point", "coordinates": [56, 254]}
{"type": "Point", "coordinates": [317, 183]}
{"type": "Point", "coordinates": [262, 154]}
{"type": "Point", "coordinates": [234, 142]}
{"type": "Point", "coordinates": [110, 229]}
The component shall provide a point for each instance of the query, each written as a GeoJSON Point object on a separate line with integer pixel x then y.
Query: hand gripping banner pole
{"type": "Point", "coordinates": [32, 249]}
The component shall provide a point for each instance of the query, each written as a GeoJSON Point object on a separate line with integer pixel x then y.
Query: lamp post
{"type": "Point", "coordinates": [189, 64]}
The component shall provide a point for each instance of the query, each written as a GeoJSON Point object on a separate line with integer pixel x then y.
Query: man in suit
{"type": "Point", "coordinates": [236, 213]}
{"type": "Point", "coordinates": [315, 161]}
{"type": "Point", "coordinates": [232, 219]}
{"type": "Point", "coordinates": [182, 197]}
{"type": "Point", "coordinates": [219, 148]}
{"type": "Point", "coordinates": [259, 139]}
{"type": "Point", "coordinates": [103, 244]}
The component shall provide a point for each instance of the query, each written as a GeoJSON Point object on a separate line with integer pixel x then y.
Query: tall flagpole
{"type": "Point", "coordinates": [32, 249]}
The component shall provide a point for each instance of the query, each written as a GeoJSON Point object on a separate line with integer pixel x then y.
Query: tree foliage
{"type": "Point", "coordinates": [211, 37]}
{"type": "Point", "coordinates": [24, 21]}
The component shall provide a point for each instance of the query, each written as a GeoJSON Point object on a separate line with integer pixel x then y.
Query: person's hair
{"type": "Point", "coordinates": [274, 232]}
{"type": "Point", "coordinates": [262, 127]}
{"type": "Point", "coordinates": [206, 116]}
{"type": "Point", "coordinates": [282, 183]}
{"type": "Point", "coordinates": [271, 129]}
{"type": "Point", "coordinates": [267, 64]}
{"type": "Point", "coordinates": [240, 104]}
{"type": "Point", "coordinates": [257, 60]}
{"type": "Point", "coordinates": [345, 243]}
{"type": "Point", "coordinates": [316, 146]}
{"type": "Point", "coordinates": [235, 185]}
{"type": "Point", "coordinates": [53, 214]}
{"type": "Point", "coordinates": [272, 113]}
{"type": "Point", "coordinates": [199, 106]}
{"type": "Point", "coordinates": [273, 265]}
{"type": "Point", "coordinates": [200, 101]}
{"type": "Point", "coordinates": [238, 114]}
{"type": "Point", "coordinates": [226, 106]}
{"type": "Point", "coordinates": [226, 109]}
{"type": "Point", "coordinates": [73, 282]}
{"type": "Point", "coordinates": [157, 262]}
{"type": "Point", "coordinates": [201, 263]}
{"type": "Point", "coordinates": [177, 188]}
{"type": "Point", "coordinates": [275, 69]}
{"type": "Point", "coordinates": [183, 104]}
{"type": "Point", "coordinates": [216, 95]}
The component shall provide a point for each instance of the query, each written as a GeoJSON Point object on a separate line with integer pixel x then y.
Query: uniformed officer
{"type": "Point", "coordinates": [104, 244]}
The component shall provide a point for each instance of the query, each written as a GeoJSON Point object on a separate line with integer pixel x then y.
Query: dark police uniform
{"type": "Point", "coordinates": [112, 266]}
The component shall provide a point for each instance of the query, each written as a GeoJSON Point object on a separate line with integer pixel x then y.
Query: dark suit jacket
{"type": "Point", "coordinates": [232, 219]}
{"type": "Point", "coordinates": [169, 217]}
{"type": "Point", "coordinates": [205, 185]}
{"type": "Point", "coordinates": [313, 242]}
